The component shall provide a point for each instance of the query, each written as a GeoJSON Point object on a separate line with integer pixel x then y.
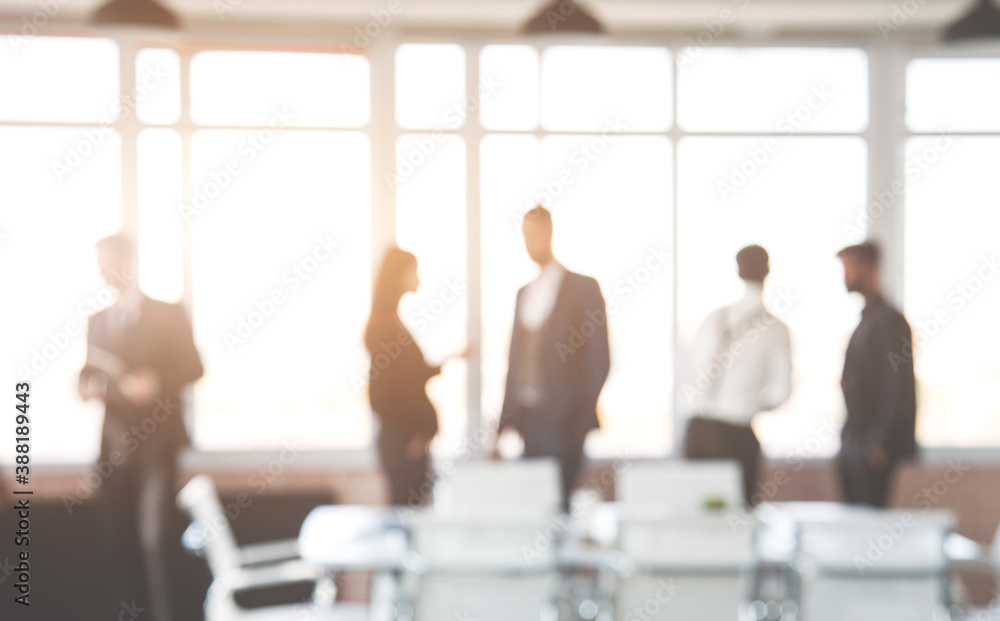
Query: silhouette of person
{"type": "Point", "coordinates": [396, 388]}
{"type": "Point", "coordinates": [743, 365]}
{"type": "Point", "coordinates": [878, 384]}
{"type": "Point", "coordinates": [140, 356]}
{"type": "Point", "coordinates": [559, 357]}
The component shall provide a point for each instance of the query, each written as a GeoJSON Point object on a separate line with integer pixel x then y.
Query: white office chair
{"type": "Point", "coordinates": [487, 551]}
{"type": "Point", "coordinates": [258, 566]}
{"type": "Point", "coordinates": [681, 486]}
{"type": "Point", "coordinates": [525, 488]}
{"type": "Point", "coordinates": [682, 554]}
{"type": "Point", "coordinates": [874, 565]}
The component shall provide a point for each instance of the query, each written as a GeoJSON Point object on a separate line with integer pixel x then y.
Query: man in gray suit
{"type": "Point", "coordinates": [559, 357]}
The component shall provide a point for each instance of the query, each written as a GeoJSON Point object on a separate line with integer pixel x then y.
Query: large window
{"type": "Point", "coordinates": [280, 250]}
{"type": "Point", "coordinates": [60, 191]}
{"type": "Point", "coordinates": [608, 180]}
{"type": "Point", "coordinates": [790, 175]}
{"type": "Point", "coordinates": [262, 192]}
{"type": "Point", "coordinates": [952, 264]}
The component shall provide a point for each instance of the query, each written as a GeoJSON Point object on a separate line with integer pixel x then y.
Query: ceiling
{"type": "Point", "coordinates": [751, 17]}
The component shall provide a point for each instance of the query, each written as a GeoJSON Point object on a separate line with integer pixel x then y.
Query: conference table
{"type": "Point", "coordinates": [344, 538]}
{"type": "Point", "coordinates": [376, 538]}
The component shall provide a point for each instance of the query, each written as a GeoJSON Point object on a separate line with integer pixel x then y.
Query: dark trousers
{"type": "Point", "coordinates": [708, 438]}
{"type": "Point", "coordinates": [137, 504]}
{"type": "Point", "coordinates": [861, 482]}
{"type": "Point", "coordinates": [564, 447]}
{"type": "Point", "coordinates": [410, 483]}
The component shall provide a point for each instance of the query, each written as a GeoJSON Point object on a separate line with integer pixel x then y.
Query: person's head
{"type": "Point", "coordinates": [537, 229]}
{"type": "Point", "coordinates": [397, 275]}
{"type": "Point", "coordinates": [752, 262]}
{"type": "Point", "coordinates": [116, 261]}
{"type": "Point", "coordinates": [861, 268]}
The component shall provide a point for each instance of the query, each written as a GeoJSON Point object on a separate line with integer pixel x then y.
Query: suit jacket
{"type": "Point", "coordinates": [159, 337]}
{"type": "Point", "coordinates": [397, 379]}
{"type": "Point", "coordinates": [878, 382]}
{"type": "Point", "coordinates": [572, 365]}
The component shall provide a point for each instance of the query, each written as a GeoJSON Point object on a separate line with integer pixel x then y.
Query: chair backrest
{"type": "Point", "coordinates": [681, 486]}
{"type": "Point", "coordinates": [711, 541]}
{"type": "Point", "coordinates": [210, 533]}
{"type": "Point", "coordinates": [866, 544]}
{"type": "Point", "coordinates": [487, 544]}
{"type": "Point", "coordinates": [509, 489]}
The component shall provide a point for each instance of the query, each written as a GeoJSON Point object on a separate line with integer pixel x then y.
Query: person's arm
{"type": "Point", "coordinates": [181, 363]}
{"type": "Point", "coordinates": [778, 381]}
{"type": "Point", "coordinates": [595, 352]}
{"type": "Point", "coordinates": [892, 345]}
{"type": "Point", "coordinates": [92, 383]}
{"type": "Point", "coordinates": [507, 409]}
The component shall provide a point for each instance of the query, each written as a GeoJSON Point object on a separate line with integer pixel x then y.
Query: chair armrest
{"type": "Point", "coordinates": [272, 575]}
{"type": "Point", "coordinates": [269, 552]}
{"type": "Point", "coordinates": [193, 539]}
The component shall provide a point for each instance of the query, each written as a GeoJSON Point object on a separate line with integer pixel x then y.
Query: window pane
{"type": "Point", "coordinates": [612, 219]}
{"type": "Point", "coordinates": [798, 206]}
{"type": "Point", "coordinates": [161, 231]}
{"type": "Point", "coordinates": [953, 94]}
{"type": "Point", "coordinates": [953, 288]}
{"type": "Point", "coordinates": [430, 223]}
{"type": "Point", "coordinates": [772, 90]}
{"type": "Point", "coordinates": [430, 86]}
{"type": "Point", "coordinates": [158, 85]}
{"type": "Point", "coordinates": [512, 72]}
{"type": "Point", "coordinates": [511, 177]}
{"type": "Point", "coordinates": [585, 88]}
{"type": "Point", "coordinates": [58, 79]}
{"type": "Point", "coordinates": [279, 88]}
{"type": "Point", "coordinates": [278, 314]}
{"type": "Point", "coordinates": [48, 267]}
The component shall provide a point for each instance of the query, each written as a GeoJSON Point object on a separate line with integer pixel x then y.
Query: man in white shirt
{"type": "Point", "coordinates": [742, 367]}
{"type": "Point", "coordinates": [559, 357]}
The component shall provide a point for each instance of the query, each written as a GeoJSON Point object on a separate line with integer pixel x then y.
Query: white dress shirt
{"type": "Point", "coordinates": [123, 312]}
{"type": "Point", "coordinates": [539, 297]}
{"type": "Point", "coordinates": [746, 371]}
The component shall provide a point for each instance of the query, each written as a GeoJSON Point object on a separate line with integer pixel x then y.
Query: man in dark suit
{"type": "Point", "coordinates": [878, 385]}
{"type": "Point", "coordinates": [140, 355]}
{"type": "Point", "coordinates": [559, 357]}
